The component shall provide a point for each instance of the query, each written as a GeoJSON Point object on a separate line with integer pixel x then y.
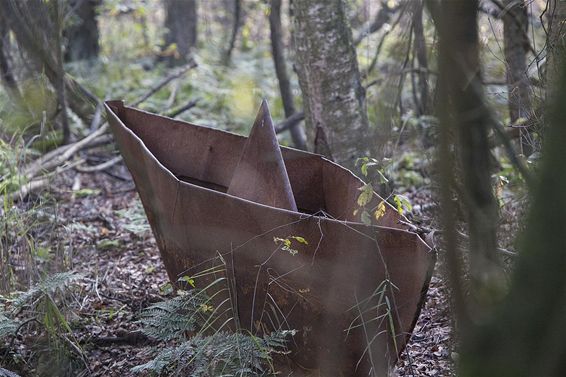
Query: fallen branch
{"type": "Point", "coordinates": [36, 184]}
{"type": "Point", "coordinates": [62, 154]}
{"type": "Point", "coordinates": [56, 157]}
{"type": "Point", "coordinates": [167, 80]}
{"type": "Point", "coordinates": [99, 167]}
{"type": "Point", "coordinates": [182, 109]}
{"type": "Point", "coordinates": [289, 122]}
{"type": "Point", "coordinates": [124, 337]}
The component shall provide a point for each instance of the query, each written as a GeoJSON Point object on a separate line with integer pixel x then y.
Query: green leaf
{"type": "Point", "coordinates": [403, 204]}
{"type": "Point", "coordinates": [366, 195]}
{"type": "Point", "coordinates": [300, 239]}
{"type": "Point", "coordinates": [188, 280]}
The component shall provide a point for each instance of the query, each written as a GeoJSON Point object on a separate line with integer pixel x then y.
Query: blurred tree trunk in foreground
{"type": "Point", "coordinates": [462, 110]}
{"type": "Point", "coordinates": [556, 40]}
{"type": "Point", "coordinates": [278, 53]}
{"type": "Point", "coordinates": [82, 33]}
{"type": "Point", "coordinates": [181, 22]}
{"type": "Point", "coordinates": [333, 96]}
{"type": "Point", "coordinates": [516, 42]}
{"type": "Point", "coordinates": [526, 336]}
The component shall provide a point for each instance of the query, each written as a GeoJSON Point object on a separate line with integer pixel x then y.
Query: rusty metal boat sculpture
{"type": "Point", "coordinates": [282, 223]}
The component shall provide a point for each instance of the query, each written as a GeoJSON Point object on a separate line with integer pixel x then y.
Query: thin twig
{"type": "Point", "coordinates": [99, 167]}
{"type": "Point", "coordinates": [175, 75]}
{"type": "Point", "coordinates": [182, 109]}
{"type": "Point", "coordinates": [289, 122]}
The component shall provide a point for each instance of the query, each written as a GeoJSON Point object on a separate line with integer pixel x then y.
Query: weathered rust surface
{"type": "Point", "coordinates": [329, 290]}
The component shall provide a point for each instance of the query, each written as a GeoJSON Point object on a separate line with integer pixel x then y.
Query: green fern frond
{"type": "Point", "coordinates": [8, 326]}
{"type": "Point", "coordinates": [177, 317]}
{"type": "Point", "coordinates": [53, 283]}
{"type": "Point", "coordinates": [220, 354]}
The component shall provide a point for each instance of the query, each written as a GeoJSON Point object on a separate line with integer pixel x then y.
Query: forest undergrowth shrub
{"type": "Point", "coordinates": [193, 325]}
{"type": "Point", "coordinates": [40, 318]}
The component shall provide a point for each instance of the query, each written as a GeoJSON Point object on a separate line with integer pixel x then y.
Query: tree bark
{"type": "Point", "coordinates": [556, 39]}
{"type": "Point", "coordinates": [462, 109]}
{"type": "Point", "coordinates": [82, 35]}
{"type": "Point", "coordinates": [333, 96]}
{"type": "Point", "coordinates": [516, 47]}
{"type": "Point", "coordinates": [181, 22]}
{"type": "Point", "coordinates": [278, 54]}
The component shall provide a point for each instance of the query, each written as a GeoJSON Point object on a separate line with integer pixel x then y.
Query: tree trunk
{"type": "Point", "coordinates": [236, 23]}
{"type": "Point", "coordinates": [181, 23]}
{"type": "Point", "coordinates": [333, 96]}
{"type": "Point", "coordinates": [462, 109]}
{"type": "Point", "coordinates": [278, 54]}
{"type": "Point", "coordinates": [526, 336]}
{"type": "Point", "coordinates": [82, 35]}
{"type": "Point", "coordinates": [515, 27]}
{"type": "Point", "coordinates": [556, 39]}
{"type": "Point", "coordinates": [422, 61]}
{"type": "Point", "coordinates": [6, 72]}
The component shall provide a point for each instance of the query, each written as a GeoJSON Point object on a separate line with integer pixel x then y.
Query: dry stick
{"type": "Point", "coordinates": [289, 122]}
{"type": "Point", "coordinates": [36, 184]}
{"type": "Point", "coordinates": [99, 167]}
{"type": "Point", "coordinates": [166, 81]}
{"type": "Point", "coordinates": [35, 169]}
{"type": "Point", "coordinates": [61, 154]}
{"type": "Point", "coordinates": [184, 108]}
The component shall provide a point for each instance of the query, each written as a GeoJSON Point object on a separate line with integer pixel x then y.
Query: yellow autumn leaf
{"type": "Point", "coordinates": [380, 211]}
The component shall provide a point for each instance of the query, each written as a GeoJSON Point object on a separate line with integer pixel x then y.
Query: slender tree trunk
{"type": "Point", "coordinates": [82, 35]}
{"type": "Point", "coordinates": [61, 92]}
{"type": "Point", "coordinates": [515, 26]}
{"type": "Point", "coordinates": [8, 78]}
{"type": "Point", "coordinates": [278, 54]}
{"type": "Point", "coordinates": [462, 109]}
{"type": "Point", "coordinates": [181, 22]}
{"type": "Point", "coordinates": [333, 96]}
{"type": "Point", "coordinates": [236, 23]}
{"type": "Point", "coordinates": [419, 49]}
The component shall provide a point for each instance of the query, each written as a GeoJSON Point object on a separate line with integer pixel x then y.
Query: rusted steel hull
{"type": "Point", "coordinates": [331, 290]}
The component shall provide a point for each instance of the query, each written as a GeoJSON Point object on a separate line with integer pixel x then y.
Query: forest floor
{"type": "Point", "coordinates": [124, 274]}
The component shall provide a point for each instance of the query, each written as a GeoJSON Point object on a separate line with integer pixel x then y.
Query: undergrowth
{"type": "Point", "coordinates": [39, 318]}
{"type": "Point", "coordinates": [200, 347]}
